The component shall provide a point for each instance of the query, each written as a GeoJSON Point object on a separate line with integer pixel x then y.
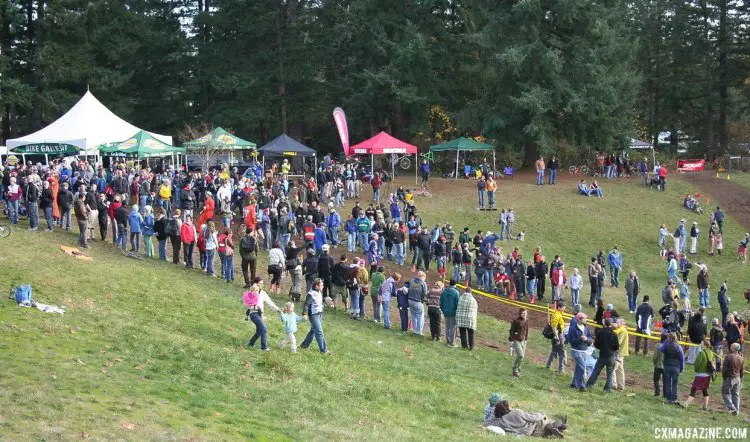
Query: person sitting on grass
{"type": "Point", "coordinates": [520, 422]}
{"type": "Point", "coordinates": [489, 410]}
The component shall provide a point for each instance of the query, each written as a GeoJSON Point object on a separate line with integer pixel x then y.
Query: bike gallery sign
{"type": "Point", "coordinates": [46, 148]}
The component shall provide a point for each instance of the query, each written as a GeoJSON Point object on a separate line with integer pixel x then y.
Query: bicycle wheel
{"type": "Point", "coordinates": [427, 193]}
{"type": "Point", "coordinates": [572, 170]}
{"type": "Point", "coordinates": [4, 231]}
{"type": "Point", "coordinates": [584, 170]}
{"type": "Point", "coordinates": [405, 163]}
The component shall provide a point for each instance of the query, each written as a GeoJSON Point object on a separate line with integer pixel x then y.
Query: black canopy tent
{"type": "Point", "coordinates": [285, 146]}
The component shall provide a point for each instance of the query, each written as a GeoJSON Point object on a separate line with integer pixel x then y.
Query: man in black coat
{"type": "Point", "coordinates": [540, 269]}
{"type": "Point", "coordinates": [697, 332]}
{"type": "Point", "coordinates": [608, 345]}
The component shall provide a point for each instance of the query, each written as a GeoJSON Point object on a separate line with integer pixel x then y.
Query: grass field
{"type": "Point", "coordinates": [149, 351]}
{"type": "Point", "coordinates": [741, 178]}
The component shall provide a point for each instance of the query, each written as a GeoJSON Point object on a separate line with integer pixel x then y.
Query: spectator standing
{"type": "Point", "coordinates": [519, 334]}
{"type": "Point", "coordinates": [732, 372]}
{"type": "Point", "coordinates": [466, 318]}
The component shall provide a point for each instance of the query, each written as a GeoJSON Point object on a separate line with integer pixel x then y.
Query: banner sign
{"type": "Point", "coordinates": [46, 148]}
{"type": "Point", "coordinates": [340, 118]}
{"type": "Point", "coordinates": [690, 165]}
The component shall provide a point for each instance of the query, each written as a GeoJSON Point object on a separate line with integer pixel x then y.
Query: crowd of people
{"type": "Point", "coordinates": [298, 223]}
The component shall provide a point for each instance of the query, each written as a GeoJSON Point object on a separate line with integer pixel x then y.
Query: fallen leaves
{"type": "Point", "coordinates": [128, 426]}
{"type": "Point", "coordinates": [84, 435]}
{"type": "Point", "coordinates": [408, 353]}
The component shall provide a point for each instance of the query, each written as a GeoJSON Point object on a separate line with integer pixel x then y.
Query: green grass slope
{"type": "Point", "coordinates": [151, 351]}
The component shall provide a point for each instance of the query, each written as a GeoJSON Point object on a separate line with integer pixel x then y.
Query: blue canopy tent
{"type": "Point", "coordinates": [285, 146]}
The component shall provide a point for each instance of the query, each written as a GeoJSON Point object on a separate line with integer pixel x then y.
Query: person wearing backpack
{"type": "Point", "coordinates": [188, 236]}
{"type": "Point", "coordinates": [249, 255]}
{"type": "Point", "coordinates": [558, 339]}
{"type": "Point", "coordinates": [704, 372]}
{"type": "Point", "coordinates": [173, 232]}
{"type": "Point", "coordinates": [255, 299]}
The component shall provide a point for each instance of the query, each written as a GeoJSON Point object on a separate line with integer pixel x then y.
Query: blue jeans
{"type": "Point", "coordinates": [33, 215]}
{"type": "Point", "coordinates": [574, 295]}
{"type": "Point", "coordinates": [381, 245]}
{"type": "Point", "coordinates": [376, 195]}
{"type": "Point", "coordinates": [316, 329]}
{"type": "Point", "coordinates": [403, 313]}
{"type": "Point", "coordinates": [13, 209]}
{"type": "Point", "coordinates": [144, 203]}
{"type": "Point", "coordinates": [122, 232]}
{"type": "Point", "coordinates": [553, 176]}
{"type": "Point", "coordinates": [531, 287]}
{"type": "Point", "coordinates": [354, 304]}
{"type": "Point", "coordinates": [609, 364]}
{"type": "Point", "coordinates": [703, 297]}
{"type": "Point", "coordinates": [362, 237]}
{"type": "Point", "coordinates": [481, 198]}
{"type": "Point", "coordinates": [503, 228]}
{"type": "Point", "coordinates": [614, 272]}
{"type": "Point", "coordinates": [386, 314]}
{"type": "Point", "coordinates": [351, 242]}
{"type": "Point", "coordinates": [631, 303]}
{"type": "Point", "coordinates": [540, 177]}
{"type": "Point", "coordinates": [417, 316]}
{"type": "Point", "coordinates": [260, 331]}
{"type": "Point", "coordinates": [491, 198]}
{"type": "Point", "coordinates": [210, 261]}
{"type": "Point", "coordinates": [65, 219]}
{"type": "Point", "coordinates": [227, 267]}
{"type": "Point", "coordinates": [333, 235]}
{"type": "Point", "coordinates": [362, 304]}
{"type": "Point", "coordinates": [671, 378]}
{"type": "Point", "coordinates": [48, 217]}
{"type": "Point", "coordinates": [135, 242]}
{"type": "Point", "coordinates": [227, 220]}
{"type": "Point", "coordinates": [457, 272]}
{"type": "Point", "coordinates": [580, 372]}
{"type": "Point", "coordinates": [163, 249]}
{"type": "Point", "coordinates": [400, 253]}
{"type": "Point", "coordinates": [284, 239]}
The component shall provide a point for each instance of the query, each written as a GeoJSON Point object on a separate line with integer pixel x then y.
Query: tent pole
{"type": "Point", "coordinates": [23, 158]}
{"type": "Point", "coordinates": [494, 165]}
{"type": "Point", "coordinates": [372, 164]}
{"type": "Point", "coordinates": [416, 167]}
{"type": "Point", "coordinates": [457, 151]}
{"type": "Point", "coordinates": [46, 159]}
{"type": "Point", "coordinates": [393, 170]}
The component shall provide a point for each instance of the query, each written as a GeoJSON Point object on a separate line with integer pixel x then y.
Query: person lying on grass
{"type": "Point", "coordinates": [520, 422]}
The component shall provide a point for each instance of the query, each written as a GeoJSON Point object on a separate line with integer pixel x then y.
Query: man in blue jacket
{"type": "Point", "coordinates": [579, 338]}
{"type": "Point", "coordinates": [615, 265]}
{"type": "Point", "coordinates": [333, 222]}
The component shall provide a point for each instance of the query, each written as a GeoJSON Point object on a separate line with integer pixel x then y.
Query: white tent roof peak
{"type": "Point", "coordinates": [87, 124]}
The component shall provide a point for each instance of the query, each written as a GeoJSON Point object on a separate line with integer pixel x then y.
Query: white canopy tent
{"type": "Point", "coordinates": [86, 125]}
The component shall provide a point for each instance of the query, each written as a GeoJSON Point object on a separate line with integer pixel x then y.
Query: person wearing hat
{"type": "Point", "coordinates": [489, 410]}
{"type": "Point", "coordinates": [608, 345]}
{"type": "Point", "coordinates": [579, 338]}
{"type": "Point", "coordinates": [694, 231]}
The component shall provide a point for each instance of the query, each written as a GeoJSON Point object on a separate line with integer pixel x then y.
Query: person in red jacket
{"type": "Point", "coordinates": [112, 209]}
{"type": "Point", "coordinates": [662, 177]}
{"type": "Point", "coordinates": [189, 238]}
{"type": "Point", "coordinates": [376, 182]}
{"type": "Point", "coordinates": [208, 211]}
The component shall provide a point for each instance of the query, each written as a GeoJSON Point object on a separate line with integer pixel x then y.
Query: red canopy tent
{"type": "Point", "coordinates": [383, 143]}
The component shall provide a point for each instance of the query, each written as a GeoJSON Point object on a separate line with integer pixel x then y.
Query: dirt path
{"type": "Point", "coordinates": [733, 198]}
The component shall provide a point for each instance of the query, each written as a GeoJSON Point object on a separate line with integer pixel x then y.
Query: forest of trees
{"type": "Point", "coordinates": [529, 75]}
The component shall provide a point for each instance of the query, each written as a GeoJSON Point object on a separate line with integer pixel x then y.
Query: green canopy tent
{"type": "Point", "coordinates": [45, 149]}
{"type": "Point", "coordinates": [142, 146]}
{"type": "Point", "coordinates": [220, 139]}
{"type": "Point", "coordinates": [463, 144]}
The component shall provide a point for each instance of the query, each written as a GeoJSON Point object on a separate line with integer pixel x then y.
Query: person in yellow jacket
{"type": "Point", "coordinates": [491, 186]}
{"type": "Point", "coordinates": [285, 167]}
{"type": "Point", "coordinates": [165, 195]}
{"type": "Point", "coordinates": [623, 338]}
{"type": "Point", "coordinates": [558, 341]}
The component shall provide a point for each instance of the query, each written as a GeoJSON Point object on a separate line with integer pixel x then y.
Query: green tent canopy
{"type": "Point", "coordinates": [140, 145]}
{"type": "Point", "coordinates": [462, 143]}
{"type": "Point", "coordinates": [46, 148]}
{"type": "Point", "coordinates": [220, 139]}
{"type": "Point", "coordinates": [465, 144]}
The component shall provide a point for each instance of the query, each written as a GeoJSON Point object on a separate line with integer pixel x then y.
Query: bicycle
{"type": "Point", "coordinates": [402, 160]}
{"type": "Point", "coordinates": [578, 170]}
{"type": "Point", "coordinates": [422, 191]}
{"type": "Point", "coordinates": [4, 231]}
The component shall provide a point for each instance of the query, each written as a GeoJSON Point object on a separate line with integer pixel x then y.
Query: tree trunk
{"type": "Point", "coordinates": [5, 45]}
{"type": "Point", "coordinates": [723, 77]}
{"type": "Point", "coordinates": [281, 87]}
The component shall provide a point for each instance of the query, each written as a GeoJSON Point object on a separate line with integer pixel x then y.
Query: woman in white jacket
{"type": "Point", "coordinates": [575, 283]}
